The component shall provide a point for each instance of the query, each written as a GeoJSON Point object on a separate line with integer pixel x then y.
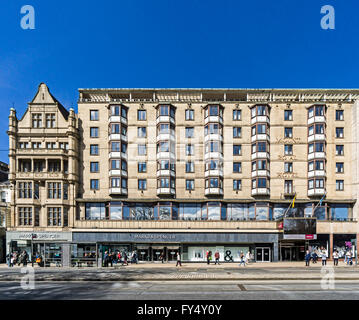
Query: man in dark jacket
{"type": "Point", "coordinates": [307, 258]}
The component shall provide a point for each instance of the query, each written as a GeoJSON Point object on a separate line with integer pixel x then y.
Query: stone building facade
{"type": "Point", "coordinates": [161, 171]}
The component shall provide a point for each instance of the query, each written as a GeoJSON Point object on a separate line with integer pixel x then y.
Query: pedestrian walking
{"type": "Point", "coordinates": [216, 257]}
{"type": "Point", "coordinates": [248, 257]}
{"type": "Point", "coordinates": [178, 260]}
{"type": "Point", "coordinates": [25, 258]}
{"type": "Point", "coordinates": [106, 259]}
{"type": "Point", "coordinates": [315, 256]}
{"type": "Point", "coordinates": [336, 257]}
{"type": "Point", "coordinates": [349, 258]}
{"type": "Point", "coordinates": [241, 259]}
{"type": "Point", "coordinates": [324, 257]}
{"type": "Point", "coordinates": [209, 257]}
{"type": "Point", "coordinates": [307, 258]}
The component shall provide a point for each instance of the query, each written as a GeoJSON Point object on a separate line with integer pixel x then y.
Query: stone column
{"type": "Point", "coordinates": [275, 251]}
{"type": "Point", "coordinates": [331, 244]}
{"type": "Point", "coordinates": [66, 255]}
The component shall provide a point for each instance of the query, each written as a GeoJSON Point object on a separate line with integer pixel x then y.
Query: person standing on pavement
{"type": "Point", "coordinates": [216, 256]}
{"type": "Point", "coordinates": [241, 258]}
{"type": "Point", "coordinates": [178, 260]}
{"type": "Point", "coordinates": [248, 257]}
{"type": "Point", "coordinates": [209, 253]}
{"type": "Point", "coordinates": [324, 257]}
{"type": "Point", "coordinates": [336, 257]}
{"type": "Point", "coordinates": [307, 258]}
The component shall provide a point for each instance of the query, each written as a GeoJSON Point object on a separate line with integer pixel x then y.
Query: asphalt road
{"type": "Point", "coordinates": [177, 290]}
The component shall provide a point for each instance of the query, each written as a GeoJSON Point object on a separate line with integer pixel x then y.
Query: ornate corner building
{"type": "Point", "coordinates": [159, 171]}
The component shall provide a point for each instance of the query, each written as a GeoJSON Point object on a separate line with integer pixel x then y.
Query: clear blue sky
{"type": "Point", "coordinates": [168, 43]}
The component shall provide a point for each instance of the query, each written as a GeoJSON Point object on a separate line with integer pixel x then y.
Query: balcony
{"type": "Point", "coordinates": [213, 155]}
{"type": "Point", "coordinates": [166, 137]}
{"type": "Point", "coordinates": [213, 173]}
{"type": "Point", "coordinates": [165, 119]}
{"type": "Point", "coordinates": [316, 192]}
{"type": "Point", "coordinates": [260, 173]}
{"type": "Point", "coordinates": [216, 119]}
{"type": "Point", "coordinates": [260, 192]}
{"type": "Point", "coordinates": [166, 155]}
{"type": "Point", "coordinates": [260, 155]}
{"type": "Point", "coordinates": [316, 155]}
{"type": "Point", "coordinates": [213, 191]}
{"type": "Point", "coordinates": [117, 155]}
{"type": "Point", "coordinates": [316, 173]}
{"type": "Point", "coordinates": [42, 151]}
{"type": "Point", "coordinates": [118, 173]}
{"type": "Point", "coordinates": [263, 119]}
{"type": "Point", "coordinates": [316, 137]}
{"type": "Point", "coordinates": [118, 190]}
{"type": "Point", "coordinates": [41, 175]}
{"type": "Point", "coordinates": [166, 191]}
{"type": "Point", "coordinates": [117, 119]}
{"type": "Point", "coordinates": [316, 119]}
{"type": "Point", "coordinates": [117, 136]}
{"type": "Point", "coordinates": [260, 136]}
{"type": "Point", "coordinates": [213, 137]}
{"type": "Point", "coordinates": [165, 173]}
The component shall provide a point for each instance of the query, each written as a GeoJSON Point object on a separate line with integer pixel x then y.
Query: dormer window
{"type": "Point", "coordinates": [50, 120]}
{"type": "Point", "coordinates": [37, 120]}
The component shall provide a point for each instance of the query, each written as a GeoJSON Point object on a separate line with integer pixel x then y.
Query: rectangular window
{"type": "Point", "coordinates": [141, 132]}
{"type": "Point", "coordinates": [142, 167]}
{"type": "Point", "coordinates": [94, 132]}
{"type": "Point", "coordinates": [189, 150]}
{"type": "Point", "coordinates": [237, 115]}
{"type": "Point", "coordinates": [141, 148]}
{"type": "Point", "coordinates": [115, 164]}
{"type": "Point", "coordinates": [189, 184]}
{"type": "Point", "coordinates": [288, 149]}
{"type": "Point", "coordinates": [237, 185]}
{"type": "Point", "coordinates": [339, 132]}
{"type": "Point", "coordinates": [236, 132]}
{"type": "Point", "coordinates": [237, 149]}
{"type": "Point", "coordinates": [288, 167]}
{"type": "Point", "coordinates": [37, 120]}
{"type": "Point", "coordinates": [66, 191]}
{"type": "Point", "coordinates": [50, 120]}
{"type": "Point", "coordinates": [94, 115]}
{"type": "Point", "coordinates": [115, 146]}
{"type": "Point", "coordinates": [54, 190]}
{"type": "Point", "coordinates": [94, 166]}
{"type": "Point", "coordinates": [25, 190]}
{"type": "Point", "coordinates": [339, 150]}
{"type": "Point", "coordinates": [288, 115]}
{"type": "Point", "coordinates": [288, 186]}
{"type": "Point", "coordinates": [54, 216]}
{"type": "Point", "coordinates": [189, 132]}
{"type": "Point", "coordinates": [50, 145]}
{"type": "Point", "coordinates": [288, 132]}
{"type": "Point", "coordinates": [141, 115]}
{"type": "Point", "coordinates": [94, 149]}
{"type": "Point", "coordinates": [25, 216]}
{"type": "Point", "coordinates": [339, 167]}
{"type": "Point", "coordinates": [339, 115]}
{"type": "Point", "coordinates": [94, 184]}
{"type": "Point", "coordinates": [189, 166]}
{"type": "Point", "coordinates": [237, 167]}
{"type": "Point", "coordinates": [339, 185]}
{"type": "Point", "coordinates": [54, 166]}
{"type": "Point", "coordinates": [142, 184]}
{"type": "Point", "coordinates": [189, 114]}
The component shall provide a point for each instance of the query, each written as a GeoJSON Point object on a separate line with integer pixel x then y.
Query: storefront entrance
{"type": "Point", "coordinates": [292, 251]}
{"type": "Point", "coordinates": [263, 254]}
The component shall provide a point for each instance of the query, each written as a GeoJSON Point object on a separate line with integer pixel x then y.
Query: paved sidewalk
{"type": "Point", "coordinates": [195, 265]}
{"type": "Point", "coordinates": [189, 271]}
